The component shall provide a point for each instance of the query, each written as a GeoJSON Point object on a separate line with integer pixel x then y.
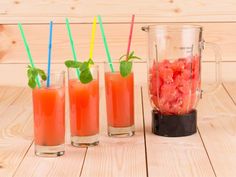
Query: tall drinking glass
{"type": "Point", "coordinates": [84, 109]}
{"type": "Point", "coordinates": [119, 102]}
{"type": "Point", "coordinates": [49, 116]}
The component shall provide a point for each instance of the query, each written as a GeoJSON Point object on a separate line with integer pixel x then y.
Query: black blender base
{"type": "Point", "coordinates": [174, 125]}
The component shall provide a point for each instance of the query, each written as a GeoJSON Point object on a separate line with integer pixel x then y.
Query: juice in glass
{"type": "Point", "coordinates": [84, 109]}
{"type": "Point", "coordinates": [49, 117]}
{"type": "Point", "coordinates": [119, 103]}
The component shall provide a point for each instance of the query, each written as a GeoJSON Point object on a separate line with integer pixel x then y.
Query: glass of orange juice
{"type": "Point", "coordinates": [119, 102]}
{"type": "Point", "coordinates": [49, 116]}
{"type": "Point", "coordinates": [84, 109]}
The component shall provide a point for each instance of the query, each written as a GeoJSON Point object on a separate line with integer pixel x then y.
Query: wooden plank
{"type": "Point", "coordinates": [117, 156]}
{"type": "Point", "coordinates": [8, 95]}
{"type": "Point", "coordinates": [216, 125]}
{"type": "Point", "coordinates": [12, 48]}
{"type": "Point", "coordinates": [230, 87]}
{"type": "Point", "coordinates": [68, 165]}
{"type": "Point", "coordinates": [16, 132]}
{"type": "Point", "coordinates": [184, 156]}
{"type": "Point", "coordinates": [25, 99]}
{"type": "Point", "coordinates": [118, 11]}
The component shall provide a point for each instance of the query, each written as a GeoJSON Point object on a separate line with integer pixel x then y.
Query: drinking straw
{"type": "Point", "coordinates": [72, 44]}
{"type": "Point", "coordinates": [130, 37]}
{"type": "Point", "coordinates": [105, 44]}
{"type": "Point", "coordinates": [28, 51]}
{"type": "Point", "coordinates": [49, 53]}
{"type": "Point", "coordinates": [92, 38]}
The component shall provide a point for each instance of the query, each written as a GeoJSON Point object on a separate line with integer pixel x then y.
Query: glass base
{"type": "Point", "coordinates": [49, 151]}
{"type": "Point", "coordinates": [85, 141]}
{"type": "Point", "coordinates": [121, 131]}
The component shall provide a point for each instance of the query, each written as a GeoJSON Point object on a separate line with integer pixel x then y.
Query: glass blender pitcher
{"type": "Point", "coordinates": [174, 77]}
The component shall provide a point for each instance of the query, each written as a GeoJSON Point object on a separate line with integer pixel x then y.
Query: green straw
{"type": "Point", "coordinates": [28, 51]}
{"type": "Point", "coordinates": [105, 44]}
{"type": "Point", "coordinates": [72, 43]}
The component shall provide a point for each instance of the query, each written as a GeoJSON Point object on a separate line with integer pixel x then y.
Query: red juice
{"type": "Point", "coordinates": [49, 116]}
{"type": "Point", "coordinates": [119, 99]}
{"type": "Point", "coordinates": [84, 107]}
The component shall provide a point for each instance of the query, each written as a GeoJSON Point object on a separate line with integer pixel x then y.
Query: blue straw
{"type": "Point", "coordinates": [49, 54]}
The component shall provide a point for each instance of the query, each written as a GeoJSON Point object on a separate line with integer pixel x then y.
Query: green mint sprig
{"type": "Point", "coordinates": [126, 64]}
{"type": "Point", "coordinates": [32, 74]}
{"type": "Point", "coordinates": [84, 68]}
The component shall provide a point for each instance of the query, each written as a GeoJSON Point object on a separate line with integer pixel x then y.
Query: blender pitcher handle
{"type": "Point", "coordinates": [216, 50]}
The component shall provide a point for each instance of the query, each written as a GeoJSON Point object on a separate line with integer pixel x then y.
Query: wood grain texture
{"type": "Point", "coordinates": [117, 11]}
{"type": "Point", "coordinates": [68, 165]}
{"type": "Point", "coordinates": [16, 130]}
{"type": "Point", "coordinates": [115, 157]}
{"type": "Point", "coordinates": [184, 156]}
{"type": "Point", "coordinates": [8, 95]}
{"type": "Point", "coordinates": [12, 48]}
{"type": "Point", "coordinates": [231, 89]}
{"type": "Point", "coordinates": [166, 156]}
{"type": "Point", "coordinates": [217, 126]}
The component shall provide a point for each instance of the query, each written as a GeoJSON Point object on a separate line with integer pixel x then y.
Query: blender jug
{"type": "Point", "coordinates": [174, 77]}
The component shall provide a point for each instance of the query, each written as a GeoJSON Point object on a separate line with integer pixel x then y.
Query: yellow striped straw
{"type": "Point", "coordinates": [92, 38]}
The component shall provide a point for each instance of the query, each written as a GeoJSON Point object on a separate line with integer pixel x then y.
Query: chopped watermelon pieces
{"type": "Point", "coordinates": [173, 86]}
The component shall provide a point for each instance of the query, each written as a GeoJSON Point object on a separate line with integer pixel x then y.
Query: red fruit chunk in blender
{"type": "Point", "coordinates": [173, 85]}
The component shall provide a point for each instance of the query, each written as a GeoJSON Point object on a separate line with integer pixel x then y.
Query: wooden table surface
{"type": "Point", "coordinates": [210, 152]}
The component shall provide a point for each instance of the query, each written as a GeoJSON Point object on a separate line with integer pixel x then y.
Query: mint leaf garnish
{"type": "Point", "coordinates": [134, 57]}
{"type": "Point", "coordinates": [90, 61]}
{"type": "Point", "coordinates": [125, 68]}
{"type": "Point", "coordinates": [32, 74]}
{"type": "Point", "coordinates": [86, 76]}
{"type": "Point", "coordinates": [126, 65]}
{"type": "Point", "coordinates": [72, 64]}
{"type": "Point", "coordinates": [42, 74]}
{"type": "Point", "coordinates": [122, 57]}
{"type": "Point", "coordinates": [84, 68]}
{"type": "Point", "coordinates": [32, 83]}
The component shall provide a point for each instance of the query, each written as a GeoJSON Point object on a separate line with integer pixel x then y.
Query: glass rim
{"type": "Point", "coordinates": [113, 62]}
{"type": "Point", "coordinates": [55, 71]}
{"type": "Point", "coordinates": [174, 27]}
{"type": "Point", "coordinates": [116, 67]}
{"type": "Point", "coordinates": [91, 67]}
